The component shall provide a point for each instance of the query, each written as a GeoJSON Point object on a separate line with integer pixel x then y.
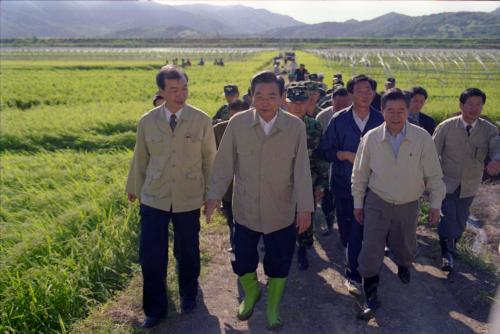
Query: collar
{"type": "Point", "coordinates": [406, 132]}
{"type": "Point", "coordinates": [278, 118]}
{"type": "Point", "coordinates": [464, 124]}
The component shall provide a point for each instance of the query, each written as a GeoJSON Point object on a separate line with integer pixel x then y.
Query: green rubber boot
{"type": "Point", "coordinates": [275, 289]}
{"type": "Point", "coordinates": [251, 288]}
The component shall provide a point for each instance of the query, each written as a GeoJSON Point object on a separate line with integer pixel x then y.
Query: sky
{"type": "Point", "coordinates": [340, 11]}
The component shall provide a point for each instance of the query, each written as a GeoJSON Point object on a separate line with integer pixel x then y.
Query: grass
{"type": "Point", "coordinates": [68, 238]}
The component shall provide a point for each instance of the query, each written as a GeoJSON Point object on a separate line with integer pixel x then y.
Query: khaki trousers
{"type": "Point", "coordinates": [384, 223]}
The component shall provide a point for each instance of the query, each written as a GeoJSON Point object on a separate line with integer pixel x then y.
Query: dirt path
{"type": "Point", "coordinates": [316, 301]}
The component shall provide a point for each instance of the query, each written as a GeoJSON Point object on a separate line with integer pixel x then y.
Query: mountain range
{"type": "Point", "coordinates": [147, 19]}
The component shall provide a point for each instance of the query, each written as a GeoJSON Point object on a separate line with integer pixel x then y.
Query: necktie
{"type": "Point", "coordinates": [173, 122]}
{"type": "Point", "coordinates": [468, 128]}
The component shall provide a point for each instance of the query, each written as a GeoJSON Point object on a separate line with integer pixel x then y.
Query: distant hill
{"type": "Point", "coordinates": [444, 25]}
{"type": "Point", "coordinates": [132, 19]}
{"type": "Point", "coordinates": [146, 19]}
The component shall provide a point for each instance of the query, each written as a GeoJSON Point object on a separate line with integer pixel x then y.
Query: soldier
{"type": "Point", "coordinates": [231, 94]}
{"type": "Point", "coordinates": [296, 99]}
{"type": "Point", "coordinates": [264, 150]}
{"type": "Point", "coordinates": [173, 156]}
{"type": "Point", "coordinates": [339, 145]}
{"type": "Point", "coordinates": [313, 92]}
{"type": "Point", "coordinates": [418, 96]}
{"type": "Point", "coordinates": [390, 83]}
{"type": "Point", "coordinates": [395, 163]}
{"type": "Point", "coordinates": [463, 143]}
{"type": "Point", "coordinates": [227, 201]}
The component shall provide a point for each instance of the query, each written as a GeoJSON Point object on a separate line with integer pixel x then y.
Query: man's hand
{"type": "Point", "coordinates": [131, 197]}
{"type": "Point", "coordinates": [210, 207]}
{"type": "Point", "coordinates": [303, 221]}
{"type": "Point", "coordinates": [434, 216]}
{"type": "Point", "coordinates": [346, 155]}
{"type": "Point", "coordinates": [493, 167]}
{"type": "Point", "coordinates": [358, 215]}
{"type": "Point", "coordinates": [318, 195]}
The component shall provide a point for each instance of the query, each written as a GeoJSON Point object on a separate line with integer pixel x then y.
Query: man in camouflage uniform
{"type": "Point", "coordinates": [231, 93]}
{"type": "Point", "coordinates": [297, 98]}
{"type": "Point", "coordinates": [313, 91]}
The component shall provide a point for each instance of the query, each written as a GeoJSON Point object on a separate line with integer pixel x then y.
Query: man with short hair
{"type": "Point", "coordinates": [300, 73]}
{"type": "Point", "coordinates": [296, 100]}
{"type": "Point", "coordinates": [395, 163]}
{"type": "Point", "coordinates": [463, 143]}
{"type": "Point", "coordinates": [390, 83]}
{"type": "Point", "coordinates": [340, 100]}
{"type": "Point", "coordinates": [172, 162]}
{"type": "Point", "coordinates": [418, 96]}
{"type": "Point", "coordinates": [339, 145]}
{"type": "Point", "coordinates": [231, 93]}
{"type": "Point", "coordinates": [227, 201]}
{"type": "Point", "coordinates": [264, 150]}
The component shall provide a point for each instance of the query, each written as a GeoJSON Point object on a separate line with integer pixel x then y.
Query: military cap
{"type": "Point", "coordinates": [313, 77]}
{"type": "Point", "coordinates": [311, 86]}
{"type": "Point", "coordinates": [391, 80]}
{"type": "Point", "coordinates": [230, 89]}
{"type": "Point", "coordinates": [296, 94]}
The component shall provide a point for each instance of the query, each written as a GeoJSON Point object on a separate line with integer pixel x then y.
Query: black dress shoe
{"type": "Point", "coordinates": [447, 263]}
{"type": "Point", "coordinates": [151, 322]}
{"type": "Point", "coordinates": [404, 274]}
{"type": "Point", "coordinates": [188, 305]}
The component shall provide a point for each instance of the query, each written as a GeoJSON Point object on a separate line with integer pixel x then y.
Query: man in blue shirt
{"type": "Point", "coordinates": [339, 145]}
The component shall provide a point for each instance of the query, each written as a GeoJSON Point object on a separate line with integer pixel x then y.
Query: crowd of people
{"type": "Point", "coordinates": [269, 159]}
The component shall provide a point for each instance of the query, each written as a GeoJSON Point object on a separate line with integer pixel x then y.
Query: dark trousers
{"type": "Point", "coordinates": [345, 217]}
{"type": "Point", "coordinates": [227, 210]}
{"type": "Point", "coordinates": [455, 214]}
{"type": "Point", "coordinates": [328, 206]}
{"type": "Point", "coordinates": [279, 247]}
{"type": "Point", "coordinates": [153, 253]}
{"type": "Point", "coordinates": [353, 249]}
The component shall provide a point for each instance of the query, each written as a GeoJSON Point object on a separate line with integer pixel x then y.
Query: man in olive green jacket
{"type": "Point", "coordinates": [265, 151]}
{"type": "Point", "coordinates": [169, 173]}
{"type": "Point", "coordinates": [464, 143]}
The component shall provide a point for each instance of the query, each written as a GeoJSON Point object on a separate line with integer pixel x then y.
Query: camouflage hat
{"type": "Point", "coordinates": [391, 80]}
{"type": "Point", "coordinates": [230, 89]}
{"type": "Point", "coordinates": [313, 77]}
{"type": "Point", "coordinates": [311, 86]}
{"type": "Point", "coordinates": [296, 94]}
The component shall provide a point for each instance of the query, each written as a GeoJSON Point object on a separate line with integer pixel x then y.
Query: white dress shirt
{"type": "Point", "coordinates": [361, 123]}
{"type": "Point", "coordinates": [267, 126]}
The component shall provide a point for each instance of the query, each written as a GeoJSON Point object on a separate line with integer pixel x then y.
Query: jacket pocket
{"type": "Point", "coordinates": [154, 142]}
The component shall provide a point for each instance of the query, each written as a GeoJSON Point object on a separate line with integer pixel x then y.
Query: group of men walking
{"type": "Point", "coordinates": [282, 158]}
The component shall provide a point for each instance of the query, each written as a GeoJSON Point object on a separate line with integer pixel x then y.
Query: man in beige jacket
{"type": "Point", "coordinates": [264, 150]}
{"type": "Point", "coordinates": [169, 173]}
{"type": "Point", "coordinates": [395, 163]}
{"type": "Point", "coordinates": [464, 143]}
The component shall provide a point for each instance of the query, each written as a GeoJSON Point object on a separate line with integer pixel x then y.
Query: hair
{"type": "Point", "coordinates": [373, 82]}
{"type": "Point", "coordinates": [266, 77]}
{"type": "Point", "coordinates": [169, 72]}
{"type": "Point", "coordinates": [357, 79]}
{"type": "Point", "coordinates": [417, 90]}
{"type": "Point", "coordinates": [341, 91]}
{"type": "Point", "coordinates": [394, 94]}
{"type": "Point", "coordinates": [238, 105]}
{"type": "Point", "coordinates": [472, 92]}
